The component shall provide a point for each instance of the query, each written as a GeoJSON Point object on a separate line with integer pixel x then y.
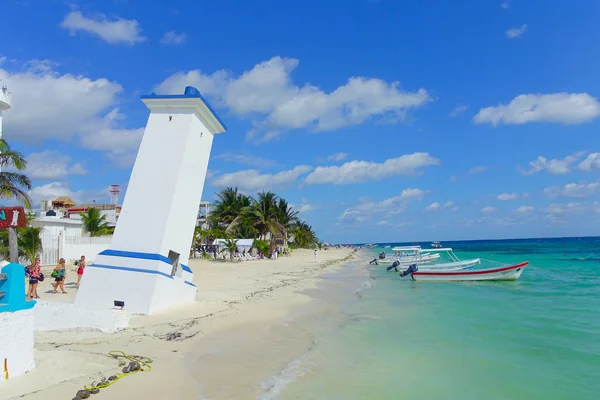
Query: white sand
{"type": "Point", "coordinates": [222, 346]}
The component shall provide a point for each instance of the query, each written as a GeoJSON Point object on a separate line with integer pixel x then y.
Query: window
{"type": "Point", "coordinates": [174, 257]}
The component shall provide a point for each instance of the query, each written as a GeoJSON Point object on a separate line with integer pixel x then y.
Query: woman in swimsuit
{"type": "Point", "coordinates": [59, 276]}
{"type": "Point", "coordinates": [34, 276]}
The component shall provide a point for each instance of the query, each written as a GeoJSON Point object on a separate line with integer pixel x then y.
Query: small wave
{"type": "Point", "coordinates": [589, 259]}
{"type": "Point", "coordinates": [293, 371]}
{"type": "Point", "coordinates": [366, 285]}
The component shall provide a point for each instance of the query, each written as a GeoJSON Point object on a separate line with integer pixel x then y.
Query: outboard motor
{"type": "Point", "coordinates": [412, 268]}
{"type": "Point", "coordinates": [382, 255]}
{"type": "Point", "coordinates": [394, 266]}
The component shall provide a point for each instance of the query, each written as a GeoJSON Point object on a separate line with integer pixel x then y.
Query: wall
{"type": "Point", "coordinates": [58, 316]}
{"type": "Point", "coordinates": [16, 342]}
{"type": "Point", "coordinates": [74, 247]}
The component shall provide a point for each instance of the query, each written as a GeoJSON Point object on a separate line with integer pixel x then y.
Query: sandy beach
{"type": "Point", "coordinates": [220, 347]}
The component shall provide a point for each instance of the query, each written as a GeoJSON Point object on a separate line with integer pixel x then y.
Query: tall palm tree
{"type": "Point", "coordinates": [263, 211]}
{"type": "Point", "coordinates": [13, 185]}
{"type": "Point", "coordinates": [230, 208]}
{"type": "Point", "coordinates": [95, 223]}
{"type": "Point", "coordinates": [286, 215]}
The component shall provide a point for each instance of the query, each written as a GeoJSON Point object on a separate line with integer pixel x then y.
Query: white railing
{"type": "Point", "coordinates": [81, 240]}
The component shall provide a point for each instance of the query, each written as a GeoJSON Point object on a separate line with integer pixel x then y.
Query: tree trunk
{"type": "Point", "coordinates": [13, 248]}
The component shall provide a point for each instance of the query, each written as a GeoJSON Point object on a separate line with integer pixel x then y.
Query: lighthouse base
{"type": "Point", "coordinates": [142, 283]}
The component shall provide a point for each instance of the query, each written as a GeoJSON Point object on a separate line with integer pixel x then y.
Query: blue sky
{"type": "Point", "coordinates": [379, 120]}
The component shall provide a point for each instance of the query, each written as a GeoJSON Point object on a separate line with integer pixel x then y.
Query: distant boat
{"type": "Point", "coordinates": [436, 244]}
{"type": "Point", "coordinates": [510, 273]}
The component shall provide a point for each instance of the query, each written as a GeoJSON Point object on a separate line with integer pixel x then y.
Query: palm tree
{"type": "Point", "coordinates": [230, 208]}
{"type": "Point", "coordinates": [286, 216]}
{"type": "Point", "coordinates": [231, 247]}
{"type": "Point", "coordinates": [263, 211]}
{"type": "Point", "coordinates": [30, 243]}
{"type": "Point", "coordinates": [95, 223]}
{"type": "Point", "coordinates": [304, 235]}
{"type": "Point", "coordinates": [13, 185]}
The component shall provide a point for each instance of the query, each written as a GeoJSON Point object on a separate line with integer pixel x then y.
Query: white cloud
{"type": "Point", "coordinates": [79, 108]}
{"type": "Point", "coordinates": [52, 190]}
{"type": "Point", "coordinates": [525, 209]}
{"type": "Point", "coordinates": [390, 206]}
{"type": "Point", "coordinates": [267, 94]}
{"type": "Point", "coordinates": [245, 159]}
{"type": "Point", "coordinates": [433, 206]}
{"type": "Point", "coordinates": [449, 205]}
{"type": "Point", "coordinates": [113, 31]}
{"type": "Point", "coordinates": [380, 223]}
{"type": "Point", "coordinates": [458, 110]}
{"type": "Point", "coordinates": [575, 190]}
{"type": "Point", "coordinates": [362, 171]}
{"type": "Point", "coordinates": [173, 37]}
{"type": "Point", "coordinates": [591, 163]}
{"type": "Point", "coordinates": [76, 103]}
{"type": "Point", "coordinates": [304, 206]}
{"type": "Point", "coordinates": [477, 170]}
{"type": "Point", "coordinates": [564, 108]}
{"type": "Point", "coordinates": [514, 33]}
{"type": "Point", "coordinates": [554, 166]}
{"type": "Point", "coordinates": [337, 157]}
{"type": "Point", "coordinates": [252, 180]}
{"type": "Point", "coordinates": [436, 206]}
{"type": "Point", "coordinates": [488, 210]}
{"type": "Point", "coordinates": [51, 164]}
{"type": "Point", "coordinates": [120, 145]}
{"type": "Point", "coordinates": [508, 196]}
{"type": "Point", "coordinates": [557, 213]}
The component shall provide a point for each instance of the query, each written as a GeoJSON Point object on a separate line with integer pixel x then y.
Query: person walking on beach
{"type": "Point", "coordinates": [59, 276]}
{"type": "Point", "coordinates": [316, 256]}
{"type": "Point", "coordinates": [80, 269]}
{"type": "Point", "coordinates": [35, 274]}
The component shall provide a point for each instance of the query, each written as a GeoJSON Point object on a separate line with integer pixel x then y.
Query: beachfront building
{"type": "Point", "coordinates": [63, 234]}
{"type": "Point", "coordinates": [203, 215]}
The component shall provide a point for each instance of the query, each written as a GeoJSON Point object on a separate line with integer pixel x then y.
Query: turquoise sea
{"type": "Point", "coordinates": [392, 338]}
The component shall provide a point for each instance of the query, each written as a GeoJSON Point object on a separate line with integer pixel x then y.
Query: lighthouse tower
{"type": "Point", "coordinates": [145, 269]}
{"type": "Point", "coordinates": [4, 102]}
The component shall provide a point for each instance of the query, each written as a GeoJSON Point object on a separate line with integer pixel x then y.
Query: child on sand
{"type": "Point", "coordinates": [80, 269]}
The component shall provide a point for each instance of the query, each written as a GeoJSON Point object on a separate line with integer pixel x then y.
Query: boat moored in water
{"type": "Point", "coordinates": [504, 273]}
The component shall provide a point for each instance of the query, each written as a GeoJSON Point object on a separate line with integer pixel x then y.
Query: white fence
{"type": "Point", "coordinates": [72, 247]}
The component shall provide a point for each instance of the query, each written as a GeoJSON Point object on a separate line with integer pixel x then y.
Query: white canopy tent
{"type": "Point", "coordinates": [242, 244]}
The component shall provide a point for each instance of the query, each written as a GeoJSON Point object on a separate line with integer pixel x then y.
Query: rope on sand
{"type": "Point", "coordinates": [135, 364]}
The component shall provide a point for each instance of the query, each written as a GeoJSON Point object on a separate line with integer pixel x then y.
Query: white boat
{"type": "Point", "coordinates": [455, 264]}
{"type": "Point", "coordinates": [436, 244]}
{"type": "Point", "coordinates": [408, 255]}
{"type": "Point", "coordinates": [505, 273]}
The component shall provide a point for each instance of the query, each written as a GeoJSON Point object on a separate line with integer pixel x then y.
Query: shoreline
{"type": "Point", "coordinates": [236, 307]}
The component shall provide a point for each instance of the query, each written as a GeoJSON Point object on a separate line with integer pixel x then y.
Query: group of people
{"type": "Point", "coordinates": [34, 274]}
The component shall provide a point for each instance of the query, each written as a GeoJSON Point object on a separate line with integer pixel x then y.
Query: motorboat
{"type": "Point", "coordinates": [503, 273]}
{"type": "Point", "coordinates": [436, 245]}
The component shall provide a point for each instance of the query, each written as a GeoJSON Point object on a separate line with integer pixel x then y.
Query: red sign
{"type": "Point", "coordinates": [12, 217]}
